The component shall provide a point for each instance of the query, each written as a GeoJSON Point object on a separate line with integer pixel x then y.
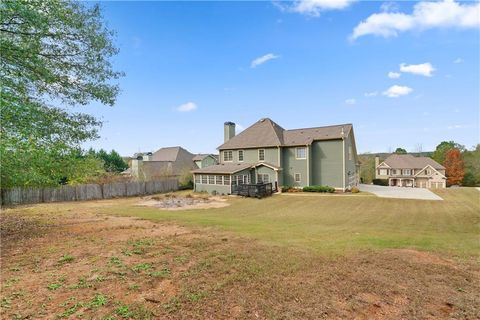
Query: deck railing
{"type": "Point", "coordinates": [258, 190]}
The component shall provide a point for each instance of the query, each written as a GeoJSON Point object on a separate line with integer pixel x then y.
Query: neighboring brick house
{"type": "Point", "coordinates": [405, 170]}
{"type": "Point", "coordinates": [167, 162]}
{"type": "Point", "coordinates": [266, 152]}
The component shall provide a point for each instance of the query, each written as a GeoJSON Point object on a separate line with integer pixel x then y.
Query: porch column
{"type": "Point", "coordinates": [401, 183]}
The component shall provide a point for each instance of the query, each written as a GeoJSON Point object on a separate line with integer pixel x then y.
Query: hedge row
{"type": "Point", "coordinates": [380, 182]}
{"type": "Point", "coordinates": [319, 189]}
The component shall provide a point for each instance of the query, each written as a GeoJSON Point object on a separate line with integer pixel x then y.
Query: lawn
{"type": "Point", "coordinates": [284, 257]}
{"type": "Point", "coordinates": [340, 223]}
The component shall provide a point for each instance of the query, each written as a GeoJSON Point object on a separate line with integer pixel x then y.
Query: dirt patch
{"type": "Point", "coordinates": [188, 202]}
{"type": "Point", "coordinates": [96, 266]}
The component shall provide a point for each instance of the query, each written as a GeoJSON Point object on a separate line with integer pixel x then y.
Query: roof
{"type": "Point", "coordinates": [407, 161]}
{"type": "Point", "coordinates": [224, 168]}
{"type": "Point", "coordinates": [200, 157]}
{"type": "Point", "coordinates": [171, 154]}
{"type": "Point", "coordinates": [267, 133]}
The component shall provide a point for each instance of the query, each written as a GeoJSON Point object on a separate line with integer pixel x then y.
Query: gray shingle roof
{"type": "Point", "coordinates": [407, 161]}
{"type": "Point", "coordinates": [172, 154]}
{"type": "Point", "coordinates": [267, 133]}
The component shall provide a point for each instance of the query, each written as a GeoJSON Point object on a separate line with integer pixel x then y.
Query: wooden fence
{"type": "Point", "coordinates": [86, 192]}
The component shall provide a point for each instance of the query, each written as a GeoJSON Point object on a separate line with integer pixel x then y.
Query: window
{"type": "Point", "coordinates": [261, 155]}
{"type": "Point", "coordinates": [301, 153]}
{"type": "Point", "coordinates": [394, 171]}
{"type": "Point", "coordinates": [211, 179]}
{"type": "Point", "coordinates": [240, 179]}
{"type": "Point", "coordinates": [298, 177]}
{"type": "Point", "coordinates": [226, 180]}
{"type": "Point", "coordinates": [263, 178]}
{"type": "Point", "coordinates": [428, 172]}
{"type": "Point", "coordinates": [383, 172]}
{"type": "Point", "coordinates": [197, 178]}
{"type": "Point", "coordinates": [246, 178]}
{"type": "Point", "coordinates": [240, 155]}
{"type": "Point", "coordinates": [407, 172]}
{"type": "Point", "coordinates": [228, 155]}
{"type": "Point", "coordinates": [204, 179]}
{"type": "Point", "coordinates": [218, 180]}
{"type": "Point", "coordinates": [350, 153]}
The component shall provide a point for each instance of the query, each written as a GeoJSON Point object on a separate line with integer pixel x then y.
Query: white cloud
{"type": "Point", "coordinates": [424, 69]}
{"type": "Point", "coordinates": [457, 126]}
{"type": "Point", "coordinates": [458, 60]}
{"type": "Point", "coordinates": [397, 91]}
{"type": "Point", "coordinates": [394, 75]}
{"type": "Point", "coordinates": [313, 7]}
{"type": "Point", "coordinates": [261, 60]}
{"type": "Point", "coordinates": [187, 107]}
{"type": "Point", "coordinates": [351, 101]}
{"type": "Point", "coordinates": [390, 6]}
{"type": "Point", "coordinates": [371, 94]}
{"type": "Point", "coordinates": [425, 15]}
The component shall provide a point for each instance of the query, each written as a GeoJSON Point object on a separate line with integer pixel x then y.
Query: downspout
{"type": "Point", "coordinates": [308, 165]}
{"type": "Point", "coordinates": [343, 156]}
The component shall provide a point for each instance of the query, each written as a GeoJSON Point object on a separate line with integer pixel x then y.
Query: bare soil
{"type": "Point", "coordinates": [188, 202]}
{"type": "Point", "coordinates": [83, 265]}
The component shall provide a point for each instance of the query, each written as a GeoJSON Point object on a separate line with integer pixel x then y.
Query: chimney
{"type": "Point", "coordinates": [377, 161]}
{"type": "Point", "coordinates": [228, 130]}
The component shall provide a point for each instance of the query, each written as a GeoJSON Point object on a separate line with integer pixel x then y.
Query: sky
{"type": "Point", "coordinates": [405, 74]}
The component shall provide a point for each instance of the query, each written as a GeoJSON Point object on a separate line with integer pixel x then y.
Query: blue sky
{"type": "Point", "coordinates": [190, 67]}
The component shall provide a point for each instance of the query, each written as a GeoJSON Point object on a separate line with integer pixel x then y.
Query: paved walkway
{"type": "Point", "coordinates": [400, 193]}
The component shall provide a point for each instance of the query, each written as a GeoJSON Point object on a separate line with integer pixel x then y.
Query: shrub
{"type": "Point", "coordinates": [355, 190]}
{"type": "Point", "coordinates": [285, 188]}
{"type": "Point", "coordinates": [380, 182]}
{"type": "Point", "coordinates": [318, 189]}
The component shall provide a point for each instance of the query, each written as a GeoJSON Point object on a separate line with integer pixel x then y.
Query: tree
{"type": "Point", "coordinates": [472, 166]}
{"type": "Point", "coordinates": [53, 52]}
{"type": "Point", "coordinates": [367, 168]}
{"type": "Point", "coordinates": [400, 151]}
{"type": "Point", "coordinates": [442, 149]}
{"type": "Point", "coordinates": [454, 167]}
{"type": "Point", "coordinates": [112, 161]}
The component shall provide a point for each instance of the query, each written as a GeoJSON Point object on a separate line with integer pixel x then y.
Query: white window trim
{"type": "Point", "coordinates": [243, 155]}
{"type": "Point", "coordinates": [295, 177]}
{"type": "Point", "coordinates": [296, 153]}
{"type": "Point", "coordinates": [259, 155]}
{"type": "Point", "coordinates": [224, 152]}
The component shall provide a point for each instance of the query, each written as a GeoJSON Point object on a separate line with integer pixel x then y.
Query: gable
{"type": "Point", "coordinates": [263, 133]}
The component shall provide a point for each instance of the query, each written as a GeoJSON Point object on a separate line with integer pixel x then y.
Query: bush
{"type": "Point", "coordinates": [380, 182]}
{"type": "Point", "coordinates": [355, 190]}
{"type": "Point", "coordinates": [186, 186]}
{"type": "Point", "coordinates": [318, 189]}
{"type": "Point", "coordinates": [285, 188]}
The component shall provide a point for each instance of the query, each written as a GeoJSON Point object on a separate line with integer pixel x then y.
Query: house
{"type": "Point", "coordinates": [267, 153]}
{"type": "Point", "coordinates": [405, 170]}
{"type": "Point", "coordinates": [205, 160]}
{"type": "Point", "coordinates": [167, 162]}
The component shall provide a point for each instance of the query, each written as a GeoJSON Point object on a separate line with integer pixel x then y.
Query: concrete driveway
{"type": "Point", "coordinates": [400, 193]}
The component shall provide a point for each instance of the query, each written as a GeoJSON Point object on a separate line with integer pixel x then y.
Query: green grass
{"type": "Point", "coordinates": [335, 224]}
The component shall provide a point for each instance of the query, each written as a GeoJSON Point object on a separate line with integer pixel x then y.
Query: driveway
{"type": "Point", "coordinates": [400, 193]}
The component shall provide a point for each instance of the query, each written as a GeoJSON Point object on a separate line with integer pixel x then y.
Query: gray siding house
{"type": "Point", "coordinates": [266, 152]}
{"type": "Point", "coordinates": [168, 162]}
